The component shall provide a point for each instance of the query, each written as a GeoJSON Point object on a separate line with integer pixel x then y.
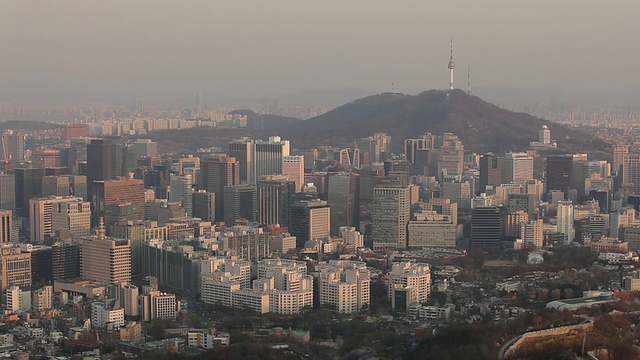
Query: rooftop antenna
{"type": "Point", "coordinates": [451, 67]}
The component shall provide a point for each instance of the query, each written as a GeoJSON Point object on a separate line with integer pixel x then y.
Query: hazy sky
{"type": "Point", "coordinates": [78, 49]}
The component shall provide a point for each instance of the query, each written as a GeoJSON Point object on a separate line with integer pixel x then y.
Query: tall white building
{"type": "Point", "coordinates": [293, 167]}
{"type": "Point", "coordinates": [532, 233]}
{"type": "Point", "coordinates": [544, 135]}
{"type": "Point", "coordinates": [517, 168]}
{"type": "Point", "coordinates": [391, 215]}
{"type": "Point", "coordinates": [353, 238]}
{"type": "Point", "coordinates": [282, 287]}
{"type": "Point", "coordinates": [18, 300]}
{"type": "Point", "coordinates": [565, 220]}
{"type": "Point", "coordinates": [407, 274]}
{"type": "Point", "coordinates": [105, 313]}
{"type": "Point", "coordinates": [130, 300]}
{"type": "Point", "coordinates": [42, 298]}
{"type": "Point", "coordinates": [345, 286]}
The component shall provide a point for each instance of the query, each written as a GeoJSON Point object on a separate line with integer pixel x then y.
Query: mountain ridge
{"type": "Point", "coordinates": [480, 125]}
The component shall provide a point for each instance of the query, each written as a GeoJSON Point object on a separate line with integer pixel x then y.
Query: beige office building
{"type": "Point", "coordinates": [105, 260]}
{"type": "Point", "coordinates": [51, 214]}
{"type": "Point", "coordinates": [15, 268]}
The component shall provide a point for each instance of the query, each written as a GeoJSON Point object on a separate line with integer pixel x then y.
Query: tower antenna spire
{"type": "Point", "coordinates": [452, 66]}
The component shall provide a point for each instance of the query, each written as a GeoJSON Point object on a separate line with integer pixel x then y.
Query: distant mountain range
{"type": "Point", "coordinates": [480, 125]}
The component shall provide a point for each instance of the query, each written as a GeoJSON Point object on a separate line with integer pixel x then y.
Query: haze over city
{"type": "Point", "coordinates": [81, 51]}
{"type": "Point", "coordinates": [340, 180]}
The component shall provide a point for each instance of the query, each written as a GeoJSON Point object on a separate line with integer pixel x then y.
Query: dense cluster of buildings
{"type": "Point", "coordinates": [116, 234]}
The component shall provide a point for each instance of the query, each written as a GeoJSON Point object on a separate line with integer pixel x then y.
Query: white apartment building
{"type": "Point", "coordinates": [407, 274]}
{"type": "Point", "coordinates": [565, 220]}
{"type": "Point", "coordinates": [345, 286]}
{"type": "Point", "coordinates": [353, 238]}
{"type": "Point", "coordinates": [282, 287]}
{"type": "Point", "coordinates": [18, 300]}
{"type": "Point", "coordinates": [103, 314]}
{"type": "Point", "coordinates": [42, 298]}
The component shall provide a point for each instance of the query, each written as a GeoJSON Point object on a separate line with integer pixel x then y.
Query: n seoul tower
{"type": "Point", "coordinates": [452, 66]}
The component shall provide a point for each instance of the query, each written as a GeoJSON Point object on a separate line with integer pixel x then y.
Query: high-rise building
{"type": "Point", "coordinates": [130, 297]}
{"type": "Point", "coordinates": [544, 135]}
{"type": "Point", "coordinates": [275, 198]}
{"type": "Point", "coordinates": [490, 172]}
{"type": "Point", "coordinates": [391, 214]}
{"type": "Point", "coordinates": [102, 164]}
{"type": "Point", "coordinates": [6, 226]}
{"type": "Point", "coordinates": [293, 167]}
{"type": "Point", "coordinates": [241, 202]}
{"type": "Point", "coordinates": [565, 220]}
{"type": "Point", "coordinates": [42, 298]}
{"type": "Point", "coordinates": [268, 157]}
{"type": "Point", "coordinates": [619, 151]}
{"type": "Point", "coordinates": [41, 262]}
{"type": "Point", "coordinates": [242, 149]}
{"type": "Point", "coordinates": [51, 214]}
{"type": "Point", "coordinates": [115, 192]}
{"type": "Point", "coordinates": [28, 186]}
{"type": "Point", "coordinates": [65, 259]}
{"type": "Point", "coordinates": [344, 200]}
{"type": "Point", "coordinates": [71, 131]}
{"type": "Point", "coordinates": [181, 192]}
{"type": "Point", "coordinates": [411, 146]}
{"type": "Point", "coordinates": [77, 186]}
{"type": "Point", "coordinates": [15, 268]}
{"type": "Point", "coordinates": [217, 173]}
{"type": "Point", "coordinates": [7, 192]}
{"type": "Point", "coordinates": [631, 171]}
{"type": "Point", "coordinates": [406, 274]}
{"type": "Point", "coordinates": [458, 192]}
{"type": "Point", "coordinates": [55, 186]}
{"type": "Point", "coordinates": [583, 169]}
{"type": "Point", "coordinates": [345, 286]}
{"type": "Point", "coordinates": [487, 225]}
{"type": "Point", "coordinates": [532, 233]}
{"type": "Point", "coordinates": [350, 158]}
{"type": "Point", "coordinates": [204, 205]}
{"type": "Point", "coordinates": [5, 146]}
{"type": "Point", "coordinates": [353, 238]}
{"type": "Point", "coordinates": [517, 168]}
{"type": "Point", "coordinates": [560, 173]}
{"type": "Point", "coordinates": [514, 222]}
{"type": "Point", "coordinates": [310, 220]}
{"type": "Point", "coordinates": [17, 146]}
{"type": "Point", "coordinates": [105, 260]}
{"type": "Point", "coordinates": [138, 149]}
{"type": "Point", "coordinates": [18, 300]}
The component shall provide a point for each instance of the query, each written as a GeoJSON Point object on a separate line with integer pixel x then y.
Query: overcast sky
{"type": "Point", "coordinates": [78, 49]}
